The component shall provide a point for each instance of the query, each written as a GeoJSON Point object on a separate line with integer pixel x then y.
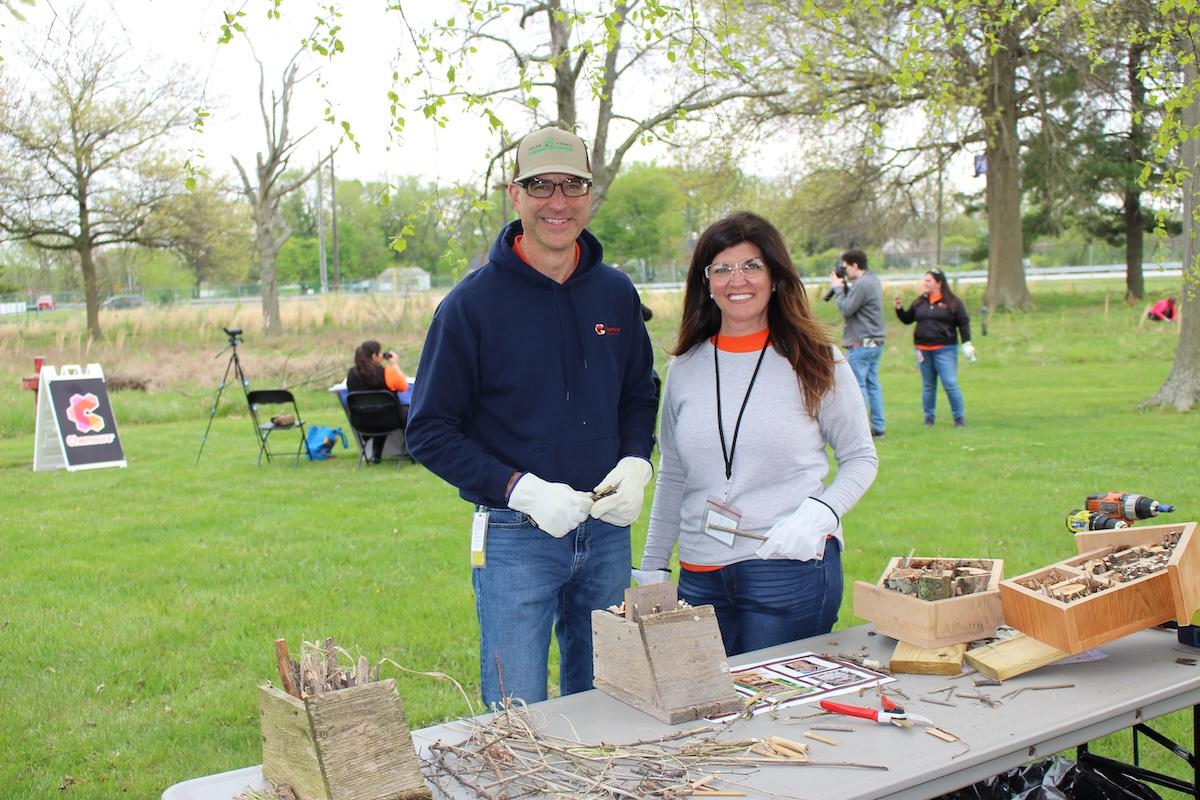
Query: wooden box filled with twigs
{"type": "Point", "coordinates": [1122, 581]}
{"type": "Point", "coordinates": [335, 733]}
{"type": "Point", "coordinates": [934, 602]}
{"type": "Point", "coordinates": [662, 657]}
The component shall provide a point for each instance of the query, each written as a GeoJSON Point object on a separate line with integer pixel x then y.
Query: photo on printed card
{"type": "Point", "coordinates": [842, 677]}
{"type": "Point", "coordinates": [773, 684]}
{"type": "Point", "coordinates": [805, 666]}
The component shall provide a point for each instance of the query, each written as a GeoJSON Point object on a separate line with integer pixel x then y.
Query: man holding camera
{"type": "Point", "coordinates": [859, 298]}
{"type": "Point", "coordinates": [536, 400]}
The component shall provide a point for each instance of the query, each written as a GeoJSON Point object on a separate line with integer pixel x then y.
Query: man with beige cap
{"type": "Point", "coordinates": [536, 399]}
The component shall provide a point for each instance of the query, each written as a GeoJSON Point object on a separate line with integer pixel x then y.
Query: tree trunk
{"type": "Point", "coordinates": [267, 252]}
{"type": "Point", "coordinates": [1006, 286]}
{"type": "Point", "coordinates": [1135, 284]}
{"type": "Point", "coordinates": [564, 74]}
{"type": "Point", "coordinates": [1181, 390]}
{"type": "Point", "coordinates": [87, 264]}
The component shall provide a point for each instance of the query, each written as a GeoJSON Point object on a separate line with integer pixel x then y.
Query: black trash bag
{"type": "Point", "coordinates": [1057, 778]}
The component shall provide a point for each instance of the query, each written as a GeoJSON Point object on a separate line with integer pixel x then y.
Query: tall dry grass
{"type": "Point", "coordinates": [176, 347]}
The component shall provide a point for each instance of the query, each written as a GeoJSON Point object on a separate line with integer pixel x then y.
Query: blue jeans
{"type": "Point", "coordinates": [533, 582]}
{"type": "Point", "coordinates": [760, 603]}
{"type": "Point", "coordinates": [865, 363]}
{"type": "Point", "coordinates": [940, 364]}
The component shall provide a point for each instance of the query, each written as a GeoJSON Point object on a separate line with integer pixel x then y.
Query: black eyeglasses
{"type": "Point", "coordinates": [542, 188]}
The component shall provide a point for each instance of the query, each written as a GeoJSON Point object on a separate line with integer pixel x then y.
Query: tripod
{"type": "Point", "coordinates": [234, 364]}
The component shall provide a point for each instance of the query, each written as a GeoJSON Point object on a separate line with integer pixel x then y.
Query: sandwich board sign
{"type": "Point", "coordinates": [76, 428]}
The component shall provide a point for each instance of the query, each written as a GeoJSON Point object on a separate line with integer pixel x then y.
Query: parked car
{"type": "Point", "coordinates": [45, 302]}
{"type": "Point", "coordinates": [123, 301]}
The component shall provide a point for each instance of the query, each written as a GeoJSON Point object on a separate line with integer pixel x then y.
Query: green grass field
{"type": "Point", "coordinates": [138, 606]}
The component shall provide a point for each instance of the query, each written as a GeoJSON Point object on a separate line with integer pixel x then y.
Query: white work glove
{"type": "Point", "coordinates": [554, 507]}
{"type": "Point", "coordinates": [969, 351]}
{"type": "Point", "coordinates": [645, 577]}
{"type": "Point", "coordinates": [801, 535]}
{"type": "Point", "coordinates": [629, 477]}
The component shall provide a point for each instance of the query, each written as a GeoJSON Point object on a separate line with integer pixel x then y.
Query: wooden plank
{"type": "Point", "coordinates": [366, 750]}
{"type": "Point", "coordinates": [913, 660]}
{"type": "Point", "coordinates": [687, 660]}
{"type": "Point", "coordinates": [652, 599]}
{"type": "Point", "coordinates": [619, 660]}
{"type": "Point", "coordinates": [1010, 657]}
{"type": "Point", "coordinates": [1184, 568]}
{"type": "Point", "coordinates": [288, 753]}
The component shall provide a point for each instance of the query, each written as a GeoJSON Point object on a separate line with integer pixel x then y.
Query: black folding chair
{"type": "Point", "coordinates": [269, 409]}
{"type": "Point", "coordinates": [375, 413]}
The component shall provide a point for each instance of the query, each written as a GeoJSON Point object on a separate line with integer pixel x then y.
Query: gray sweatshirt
{"type": "Point", "coordinates": [780, 458]}
{"type": "Point", "coordinates": [862, 308]}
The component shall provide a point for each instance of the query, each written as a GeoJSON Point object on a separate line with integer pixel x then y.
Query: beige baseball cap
{"type": "Point", "coordinates": [552, 150]}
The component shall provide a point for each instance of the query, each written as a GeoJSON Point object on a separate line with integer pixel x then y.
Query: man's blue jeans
{"type": "Point", "coordinates": [865, 363]}
{"type": "Point", "coordinates": [760, 603]}
{"type": "Point", "coordinates": [532, 582]}
{"type": "Point", "coordinates": [940, 364]}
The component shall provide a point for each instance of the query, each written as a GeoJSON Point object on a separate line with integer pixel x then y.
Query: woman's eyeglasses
{"type": "Point", "coordinates": [749, 268]}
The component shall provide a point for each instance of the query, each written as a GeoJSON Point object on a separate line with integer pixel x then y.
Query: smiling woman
{"type": "Point", "coordinates": [749, 341]}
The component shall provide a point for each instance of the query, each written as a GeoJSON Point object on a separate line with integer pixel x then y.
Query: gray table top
{"type": "Point", "coordinates": [1138, 679]}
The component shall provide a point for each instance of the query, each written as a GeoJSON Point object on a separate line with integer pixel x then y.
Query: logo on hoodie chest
{"type": "Point", "coordinates": [607, 330]}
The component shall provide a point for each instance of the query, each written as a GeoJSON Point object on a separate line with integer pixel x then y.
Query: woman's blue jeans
{"type": "Point", "coordinates": [533, 582]}
{"type": "Point", "coordinates": [760, 603]}
{"type": "Point", "coordinates": [940, 364]}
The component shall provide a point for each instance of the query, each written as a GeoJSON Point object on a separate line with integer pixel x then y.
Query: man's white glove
{"type": "Point", "coordinates": [969, 351]}
{"type": "Point", "coordinates": [645, 577]}
{"type": "Point", "coordinates": [554, 507]}
{"type": "Point", "coordinates": [801, 535]}
{"type": "Point", "coordinates": [629, 477]}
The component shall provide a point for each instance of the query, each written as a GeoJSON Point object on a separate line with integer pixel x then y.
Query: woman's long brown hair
{"type": "Point", "coordinates": [795, 334]}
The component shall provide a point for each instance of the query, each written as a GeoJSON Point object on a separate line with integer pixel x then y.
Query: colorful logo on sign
{"type": "Point", "coordinates": [82, 412]}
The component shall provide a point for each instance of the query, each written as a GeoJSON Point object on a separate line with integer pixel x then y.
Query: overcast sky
{"type": "Point", "coordinates": [185, 33]}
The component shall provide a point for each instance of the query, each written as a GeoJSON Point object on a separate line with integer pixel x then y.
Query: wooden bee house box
{"type": "Point", "coordinates": [962, 616]}
{"type": "Point", "coordinates": [661, 658]}
{"type": "Point", "coordinates": [349, 744]}
{"type": "Point", "coordinates": [1072, 606]}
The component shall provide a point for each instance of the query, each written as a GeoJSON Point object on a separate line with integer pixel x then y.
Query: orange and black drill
{"type": "Point", "coordinates": [1128, 508]}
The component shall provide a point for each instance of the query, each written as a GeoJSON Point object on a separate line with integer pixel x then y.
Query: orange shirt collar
{"type": "Point", "coordinates": [521, 252]}
{"type": "Point", "coordinates": [750, 343]}
{"type": "Point", "coordinates": [935, 297]}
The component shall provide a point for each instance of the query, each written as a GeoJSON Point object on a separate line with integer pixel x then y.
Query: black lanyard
{"type": "Point", "coordinates": [728, 453]}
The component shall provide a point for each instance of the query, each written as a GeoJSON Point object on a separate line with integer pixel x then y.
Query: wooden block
{"type": "Point", "coordinates": [652, 599]}
{"type": "Point", "coordinates": [932, 624]}
{"type": "Point", "coordinates": [1011, 657]}
{"type": "Point", "coordinates": [913, 660]}
{"type": "Point", "coordinates": [619, 664]}
{"type": "Point", "coordinates": [349, 744]}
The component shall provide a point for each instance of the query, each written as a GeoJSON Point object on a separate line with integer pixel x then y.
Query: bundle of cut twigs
{"type": "Point", "coordinates": [506, 757]}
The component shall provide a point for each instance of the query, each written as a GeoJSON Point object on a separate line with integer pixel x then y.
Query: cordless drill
{"type": "Point", "coordinates": [1083, 520]}
{"type": "Point", "coordinates": [1126, 507]}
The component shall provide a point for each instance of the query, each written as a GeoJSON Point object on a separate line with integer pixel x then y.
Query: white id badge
{"type": "Point", "coordinates": [719, 520]}
{"type": "Point", "coordinates": [479, 523]}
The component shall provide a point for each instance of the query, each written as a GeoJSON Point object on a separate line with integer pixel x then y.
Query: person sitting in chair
{"type": "Point", "coordinates": [375, 369]}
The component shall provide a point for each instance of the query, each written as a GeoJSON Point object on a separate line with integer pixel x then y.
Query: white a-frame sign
{"type": "Point", "coordinates": [76, 428]}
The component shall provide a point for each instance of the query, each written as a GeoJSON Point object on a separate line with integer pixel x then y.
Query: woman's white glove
{"type": "Point", "coordinates": [629, 477]}
{"type": "Point", "coordinates": [969, 351]}
{"type": "Point", "coordinates": [801, 535]}
{"type": "Point", "coordinates": [554, 507]}
{"type": "Point", "coordinates": [646, 577]}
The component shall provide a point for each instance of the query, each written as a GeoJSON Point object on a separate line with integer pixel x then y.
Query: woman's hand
{"type": "Point", "coordinates": [896, 302]}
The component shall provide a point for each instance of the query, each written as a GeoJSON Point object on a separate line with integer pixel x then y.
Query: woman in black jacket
{"type": "Point", "coordinates": [941, 321]}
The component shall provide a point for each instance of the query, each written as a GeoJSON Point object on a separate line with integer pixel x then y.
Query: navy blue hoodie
{"type": "Point", "coordinates": [522, 374]}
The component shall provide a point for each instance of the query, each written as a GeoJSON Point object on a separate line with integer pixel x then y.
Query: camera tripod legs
{"type": "Point", "coordinates": [234, 364]}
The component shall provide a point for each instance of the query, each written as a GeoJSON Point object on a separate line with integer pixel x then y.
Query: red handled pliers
{"type": "Point", "coordinates": [892, 712]}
